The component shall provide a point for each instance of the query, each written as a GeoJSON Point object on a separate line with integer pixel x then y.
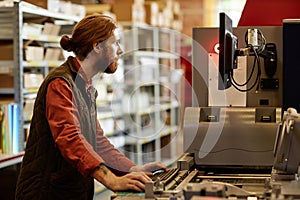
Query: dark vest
{"type": "Point", "coordinates": [44, 173]}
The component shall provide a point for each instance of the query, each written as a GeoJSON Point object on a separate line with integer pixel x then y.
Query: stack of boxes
{"type": "Point", "coordinates": [162, 13]}
{"type": "Point", "coordinates": [33, 51]}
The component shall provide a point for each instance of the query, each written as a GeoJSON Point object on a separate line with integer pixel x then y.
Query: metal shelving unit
{"type": "Point", "coordinates": [11, 25]}
{"type": "Point", "coordinates": [151, 61]}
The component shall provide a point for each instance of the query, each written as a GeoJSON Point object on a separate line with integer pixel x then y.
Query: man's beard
{"type": "Point", "coordinates": [111, 68]}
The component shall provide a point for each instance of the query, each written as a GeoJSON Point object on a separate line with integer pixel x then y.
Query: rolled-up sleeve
{"type": "Point", "coordinates": [63, 118]}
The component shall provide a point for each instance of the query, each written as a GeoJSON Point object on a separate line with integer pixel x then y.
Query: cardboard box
{"type": "Point", "coordinates": [33, 51]}
{"type": "Point", "coordinates": [123, 9]}
{"type": "Point", "coordinates": [53, 54]}
{"type": "Point", "coordinates": [7, 50]}
{"type": "Point", "coordinates": [39, 3]}
{"type": "Point", "coordinates": [6, 81]}
{"type": "Point", "coordinates": [129, 10]}
{"type": "Point", "coordinates": [32, 80]}
{"type": "Point", "coordinates": [32, 29]}
{"type": "Point", "coordinates": [51, 29]}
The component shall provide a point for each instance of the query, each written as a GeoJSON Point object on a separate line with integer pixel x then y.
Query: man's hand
{"type": "Point", "coordinates": [132, 181]}
{"type": "Point", "coordinates": [149, 167]}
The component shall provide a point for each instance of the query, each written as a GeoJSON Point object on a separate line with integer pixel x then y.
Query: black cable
{"type": "Point", "coordinates": [249, 77]}
{"type": "Point", "coordinates": [232, 81]}
{"type": "Point", "coordinates": [257, 50]}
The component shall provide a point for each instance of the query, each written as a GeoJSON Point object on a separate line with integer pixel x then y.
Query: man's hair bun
{"type": "Point", "coordinates": [66, 43]}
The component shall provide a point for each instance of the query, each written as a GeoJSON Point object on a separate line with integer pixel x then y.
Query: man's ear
{"type": "Point", "coordinates": [97, 48]}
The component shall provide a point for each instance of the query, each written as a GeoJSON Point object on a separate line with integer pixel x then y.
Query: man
{"type": "Point", "coordinates": [66, 148]}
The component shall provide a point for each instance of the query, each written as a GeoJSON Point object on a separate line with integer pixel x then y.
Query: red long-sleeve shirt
{"type": "Point", "coordinates": [63, 118]}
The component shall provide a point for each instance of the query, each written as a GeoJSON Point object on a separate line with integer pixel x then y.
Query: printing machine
{"type": "Point", "coordinates": [220, 163]}
{"type": "Point", "coordinates": [235, 165]}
